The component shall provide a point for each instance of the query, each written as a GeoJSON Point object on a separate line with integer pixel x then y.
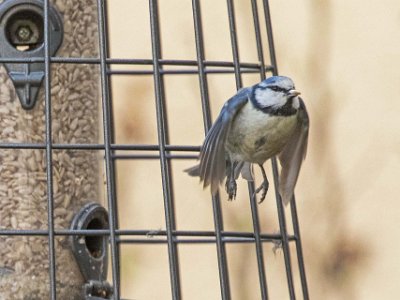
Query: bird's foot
{"type": "Point", "coordinates": [264, 188]}
{"type": "Point", "coordinates": [230, 187]}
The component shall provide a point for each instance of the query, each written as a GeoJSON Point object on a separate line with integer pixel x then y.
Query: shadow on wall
{"type": "Point", "coordinates": [334, 254]}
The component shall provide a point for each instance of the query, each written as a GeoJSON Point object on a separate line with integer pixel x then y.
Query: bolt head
{"type": "Point", "coordinates": [24, 33]}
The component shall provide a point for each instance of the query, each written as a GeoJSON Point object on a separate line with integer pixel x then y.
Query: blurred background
{"type": "Point", "coordinates": [344, 58]}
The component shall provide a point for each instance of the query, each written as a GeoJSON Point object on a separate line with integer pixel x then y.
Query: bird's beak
{"type": "Point", "coordinates": [293, 93]}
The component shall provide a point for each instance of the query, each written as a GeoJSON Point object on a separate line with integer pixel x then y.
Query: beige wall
{"type": "Point", "coordinates": [344, 57]}
{"type": "Point", "coordinates": [347, 63]}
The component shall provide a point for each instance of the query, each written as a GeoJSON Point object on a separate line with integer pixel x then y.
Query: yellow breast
{"type": "Point", "coordinates": [256, 136]}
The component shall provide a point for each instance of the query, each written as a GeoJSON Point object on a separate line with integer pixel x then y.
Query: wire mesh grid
{"type": "Point", "coordinates": [171, 236]}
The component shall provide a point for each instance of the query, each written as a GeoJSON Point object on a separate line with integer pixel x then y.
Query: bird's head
{"type": "Point", "coordinates": [275, 93]}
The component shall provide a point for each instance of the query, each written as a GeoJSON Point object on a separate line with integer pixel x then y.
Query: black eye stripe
{"type": "Point", "coordinates": [277, 89]}
{"type": "Point", "coordinates": [280, 89]}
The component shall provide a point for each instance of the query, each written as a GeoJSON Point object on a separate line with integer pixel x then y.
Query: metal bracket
{"type": "Point", "coordinates": [91, 251]}
{"type": "Point", "coordinates": [22, 37]}
{"type": "Point", "coordinates": [96, 290]}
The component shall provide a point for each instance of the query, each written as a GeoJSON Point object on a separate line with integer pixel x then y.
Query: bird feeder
{"type": "Point", "coordinates": [36, 133]}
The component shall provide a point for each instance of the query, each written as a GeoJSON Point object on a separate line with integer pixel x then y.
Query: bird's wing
{"type": "Point", "coordinates": [293, 154]}
{"type": "Point", "coordinates": [212, 154]}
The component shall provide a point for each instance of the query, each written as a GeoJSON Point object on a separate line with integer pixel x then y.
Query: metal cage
{"type": "Point", "coordinates": [167, 152]}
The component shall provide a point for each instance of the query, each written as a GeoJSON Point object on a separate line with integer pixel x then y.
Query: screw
{"type": "Point", "coordinates": [24, 33]}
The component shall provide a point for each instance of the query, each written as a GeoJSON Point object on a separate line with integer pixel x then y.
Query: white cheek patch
{"type": "Point", "coordinates": [265, 98]}
{"type": "Point", "coordinates": [296, 103]}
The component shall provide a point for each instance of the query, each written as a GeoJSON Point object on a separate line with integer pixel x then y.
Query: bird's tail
{"type": "Point", "coordinates": [193, 171]}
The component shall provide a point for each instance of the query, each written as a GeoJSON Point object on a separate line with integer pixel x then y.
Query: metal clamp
{"type": "Point", "coordinates": [91, 251]}
{"type": "Point", "coordinates": [22, 37]}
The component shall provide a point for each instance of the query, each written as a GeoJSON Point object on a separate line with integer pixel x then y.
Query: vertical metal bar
{"type": "Point", "coordinates": [283, 231]}
{"type": "Point", "coordinates": [280, 208]}
{"type": "Point", "coordinates": [217, 211]}
{"type": "Point", "coordinates": [107, 145]}
{"type": "Point", "coordinates": [253, 202]}
{"type": "Point", "coordinates": [257, 30]}
{"type": "Point", "coordinates": [198, 30]}
{"type": "Point", "coordinates": [300, 257]}
{"type": "Point", "coordinates": [234, 42]}
{"type": "Point", "coordinates": [162, 130]}
{"type": "Point", "coordinates": [259, 248]}
{"type": "Point", "coordinates": [236, 60]}
{"type": "Point", "coordinates": [113, 171]}
{"type": "Point", "coordinates": [295, 221]}
{"type": "Point", "coordinates": [270, 35]}
{"type": "Point", "coordinates": [49, 152]}
{"type": "Point", "coordinates": [221, 249]}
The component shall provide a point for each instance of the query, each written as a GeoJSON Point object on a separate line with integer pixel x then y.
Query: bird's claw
{"type": "Point", "coordinates": [264, 188]}
{"type": "Point", "coordinates": [230, 187]}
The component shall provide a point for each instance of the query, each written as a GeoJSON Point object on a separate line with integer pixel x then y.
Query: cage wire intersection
{"type": "Point", "coordinates": [167, 152]}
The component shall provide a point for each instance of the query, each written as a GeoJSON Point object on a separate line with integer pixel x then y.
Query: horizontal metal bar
{"type": "Point", "coordinates": [54, 146]}
{"type": "Point", "coordinates": [147, 233]}
{"type": "Point", "coordinates": [150, 156]}
{"type": "Point", "coordinates": [180, 72]}
{"type": "Point", "coordinates": [155, 147]}
{"type": "Point", "coordinates": [125, 147]}
{"type": "Point", "coordinates": [191, 241]}
{"type": "Point", "coordinates": [129, 61]}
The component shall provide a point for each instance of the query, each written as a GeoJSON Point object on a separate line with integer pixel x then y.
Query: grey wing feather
{"type": "Point", "coordinates": [212, 166]}
{"type": "Point", "coordinates": [293, 154]}
{"type": "Point", "coordinates": [212, 158]}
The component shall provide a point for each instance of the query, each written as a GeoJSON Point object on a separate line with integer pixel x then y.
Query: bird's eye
{"type": "Point", "coordinates": [275, 88]}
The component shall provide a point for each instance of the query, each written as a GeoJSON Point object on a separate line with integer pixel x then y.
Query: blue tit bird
{"type": "Point", "coordinates": [257, 123]}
